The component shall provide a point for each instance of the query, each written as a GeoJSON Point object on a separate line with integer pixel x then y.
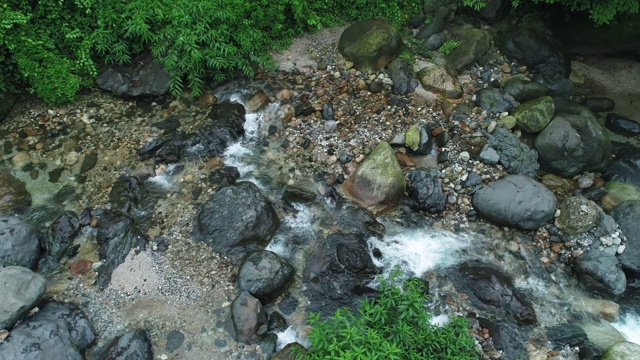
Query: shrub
{"type": "Point", "coordinates": [448, 47]}
{"type": "Point", "coordinates": [393, 326]}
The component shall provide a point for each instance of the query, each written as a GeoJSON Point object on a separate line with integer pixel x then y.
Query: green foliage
{"type": "Point", "coordinates": [448, 46]}
{"type": "Point", "coordinates": [601, 11]}
{"type": "Point", "coordinates": [393, 326]}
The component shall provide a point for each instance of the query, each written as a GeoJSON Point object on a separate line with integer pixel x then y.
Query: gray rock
{"type": "Point", "coordinates": [134, 345]}
{"type": "Point", "coordinates": [600, 272]}
{"type": "Point", "coordinates": [627, 215]}
{"type": "Point", "coordinates": [248, 319]}
{"type": "Point", "coordinates": [435, 41]}
{"type": "Point", "coordinates": [435, 25]}
{"type": "Point", "coordinates": [327, 112]}
{"type": "Point", "coordinates": [622, 125]}
{"type": "Point", "coordinates": [231, 229]}
{"type": "Point", "coordinates": [599, 103]}
{"type": "Point", "coordinates": [21, 290]}
{"type": "Point", "coordinates": [516, 200]}
{"type": "Point", "coordinates": [370, 44]}
{"type": "Point", "coordinates": [19, 243]}
{"type": "Point", "coordinates": [474, 44]}
{"type": "Point", "coordinates": [515, 156]}
{"type": "Point", "coordinates": [495, 100]}
{"type": "Point", "coordinates": [534, 115]}
{"type": "Point", "coordinates": [403, 77]}
{"type": "Point", "coordinates": [573, 142]}
{"type": "Point", "coordinates": [557, 86]}
{"type": "Point", "coordinates": [577, 215]}
{"type": "Point", "coordinates": [440, 80]}
{"type": "Point", "coordinates": [524, 90]}
{"type": "Point", "coordinates": [143, 76]}
{"type": "Point", "coordinates": [265, 275]}
{"type": "Point", "coordinates": [622, 351]}
{"type": "Point", "coordinates": [425, 191]}
{"type": "Point", "coordinates": [489, 155]}
{"type": "Point", "coordinates": [57, 331]}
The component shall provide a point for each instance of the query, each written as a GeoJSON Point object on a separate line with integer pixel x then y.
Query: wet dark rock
{"type": "Point", "coordinates": [57, 331]}
{"type": "Point", "coordinates": [175, 339]}
{"type": "Point", "coordinates": [495, 100]}
{"type": "Point", "coordinates": [370, 44]}
{"type": "Point", "coordinates": [277, 322]}
{"type": "Point", "coordinates": [435, 25]}
{"type": "Point", "coordinates": [516, 200]}
{"type": "Point", "coordinates": [85, 217]}
{"type": "Point", "coordinates": [627, 215]}
{"type": "Point", "coordinates": [495, 10]}
{"type": "Point", "coordinates": [55, 174]}
{"type": "Point", "coordinates": [169, 124]}
{"type": "Point", "coordinates": [508, 337]}
{"type": "Point", "coordinates": [327, 112]}
{"type": "Point", "coordinates": [268, 344]}
{"type": "Point", "coordinates": [126, 194]}
{"type": "Point", "coordinates": [375, 87]}
{"type": "Point", "coordinates": [117, 235]}
{"type": "Point", "coordinates": [21, 290]}
{"type": "Point", "coordinates": [435, 41]}
{"type": "Point", "coordinates": [231, 229]}
{"type": "Point", "coordinates": [88, 162]}
{"type": "Point", "coordinates": [557, 86]}
{"type": "Point", "coordinates": [19, 243]}
{"type": "Point", "coordinates": [425, 191]}
{"type": "Point", "coordinates": [622, 125]}
{"type": "Point", "coordinates": [298, 194]}
{"type": "Point", "coordinates": [490, 289]}
{"type": "Point", "coordinates": [134, 345]}
{"type": "Point", "coordinates": [573, 142]}
{"type": "Point", "coordinates": [303, 109]}
{"type": "Point", "coordinates": [248, 319]}
{"type": "Point", "coordinates": [514, 155]}
{"type": "Point", "coordinates": [474, 44]}
{"type": "Point", "coordinates": [224, 176]}
{"type": "Point", "coordinates": [288, 305]}
{"type": "Point", "coordinates": [265, 275]}
{"type": "Point", "coordinates": [566, 334]}
{"type": "Point", "coordinates": [403, 76]}
{"type": "Point", "coordinates": [535, 47]}
{"type": "Point", "coordinates": [143, 76]}
{"type": "Point", "coordinates": [599, 104]}
{"type": "Point", "coordinates": [600, 272]}
{"type": "Point", "coordinates": [14, 196]}
{"type": "Point", "coordinates": [58, 239]}
{"type": "Point", "coordinates": [589, 351]}
{"type": "Point", "coordinates": [524, 90]}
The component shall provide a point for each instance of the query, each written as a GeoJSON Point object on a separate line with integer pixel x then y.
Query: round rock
{"type": "Point", "coordinates": [265, 275]}
{"type": "Point", "coordinates": [577, 215]}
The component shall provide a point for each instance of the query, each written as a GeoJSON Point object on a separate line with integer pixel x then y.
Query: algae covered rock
{"type": "Point", "coordinates": [370, 44]}
{"type": "Point", "coordinates": [534, 115]}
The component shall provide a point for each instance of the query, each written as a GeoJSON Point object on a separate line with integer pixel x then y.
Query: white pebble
{"type": "Point", "coordinates": [464, 156]}
{"type": "Point", "coordinates": [621, 249]}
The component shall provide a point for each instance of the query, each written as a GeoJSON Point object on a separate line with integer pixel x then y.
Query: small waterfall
{"type": "Point", "coordinates": [629, 326]}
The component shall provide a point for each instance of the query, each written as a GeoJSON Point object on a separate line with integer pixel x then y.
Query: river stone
{"type": "Point", "coordinates": [378, 183]}
{"type": "Point", "coordinates": [495, 100]}
{"type": "Point", "coordinates": [404, 79]}
{"type": "Point", "coordinates": [622, 125]}
{"type": "Point", "coordinates": [134, 345]}
{"type": "Point", "coordinates": [265, 275]}
{"type": "Point", "coordinates": [474, 44]}
{"type": "Point", "coordinates": [577, 215]}
{"type": "Point", "coordinates": [21, 290]}
{"type": "Point", "coordinates": [557, 86]}
{"type": "Point", "coordinates": [599, 103]}
{"type": "Point", "coordinates": [490, 289]}
{"type": "Point", "coordinates": [534, 115]}
{"type": "Point", "coordinates": [299, 193]}
{"type": "Point", "coordinates": [435, 41]}
{"type": "Point", "coordinates": [627, 215]}
{"type": "Point", "coordinates": [370, 44]}
{"type": "Point", "coordinates": [617, 193]}
{"type": "Point", "coordinates": [524, 90]}
{"type": "Point", "coordinates": [57, 331]}
{"type": "Point", "coordinates": [516, 200]}
{"type": "Point", "coordinates": [117, 235]}
{"type": "Point", "coordinates": [425, 191]}
{"type": "Point", "coordinates": [573, 142]}
{"type": "Point", "coordinates": [534, 47]}
{"type": "Point", "coordinates": [601, 272]}
{"type": "Point", "coordinates": [248, 319]}
{"type": "Point", "coordinates": [506, 336]}
{"type": "Point", "coordinates": [440, 80]}
{"type": "Point", "coordinates": [257, 102]}
{"type": "Point", "coordinates": [434, 26]}
{"type": "Point", "coordinates": [13, 194]}
{"type": "Point", "coordinates": [19, 243]}
{"type": "Point", "coordinates": [514, 155]}
{"type": "Point", "coordinates": [58, 239]}
{"type": "Point", "coordinates": [624, 168]}
{"type": "Point", "coordinates": [489, 155]}
{"type": "Point", "coordinates": [231, 229]}
{"type": "Point", "coordinates": [623, 351]}
{"type": "Point", "coordinates": [143, 76]}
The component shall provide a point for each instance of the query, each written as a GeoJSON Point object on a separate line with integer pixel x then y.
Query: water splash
{"type": "Point", "coordinates": [291, 335]}
{"type": "Point", "coordinates": [237, 155]}
{"type": "Point", "coordinates": [629, 326]}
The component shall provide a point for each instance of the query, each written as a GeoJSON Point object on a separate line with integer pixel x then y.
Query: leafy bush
{"type": "Point", "coordinates": [601, 11]}
{"type": "Point", "coordinates": [448, 47]}
{"type": "Point", "coordinates": [393, 326]}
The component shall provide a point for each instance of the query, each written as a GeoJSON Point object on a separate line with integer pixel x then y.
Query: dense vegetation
{"type": "Point", "coordinates": [393, 326]}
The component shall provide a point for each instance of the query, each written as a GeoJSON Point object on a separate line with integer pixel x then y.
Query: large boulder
{"type": "Point", "coordinates": [57, 331]}
{"type": "Point", "coordinates": [425, 191]}
{"type": "Point", "coordinates": [234, 230]}
{"type": "Point", "coordinates": [378, 184]}
{"type": "Point", "coordinates": [143, 76]}
{"type": "Point", "coordinates": [516, 200]}
{"type": "Point", "coordinates": [534, 115]}
{"type": "Point", "coordinates": [370, 44]}
{"type": "Point", "coordinates": [440, 80]}
{"type": "Point", "coordinates": [19, 243]}
{"type": "Point", "coordinates": [21, 290]}
{"type": "Point", "coordinates": [134, 345]}
{"type": "Point", "coordinates": [573, 142]}
{"type": "Point", "coordinates": [622, 351]}
{"type": "Point", "coordinates": [601, 272]}
{"type": "Point", "coordinates": [627, 215]}
{"type": "Point", "coordinates": [516, 157]}
{"type": "Point", "coordinates": [248, 319]}
{"type": "Point", "coordinates": [13, 194]}
{"type": "Point", "coordinates": [265, 275]}
{"type": "Point", "coordinates": [474, 44]}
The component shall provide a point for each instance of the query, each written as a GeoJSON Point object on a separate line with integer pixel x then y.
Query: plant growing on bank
{"type": "Point", "coordinates": [448, 46]}
{"type": "Point", "coordinates": [393, 326]}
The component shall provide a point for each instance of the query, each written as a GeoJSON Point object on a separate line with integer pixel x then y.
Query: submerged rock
{"type": "Point", "coordinates": [370, 44]}
{"type": "Point", "coordinates": [134, 345]}
{"type": "Point", "coordinates": [624, 168]}
{"type": "Point", "coordinates": [14, 196]}
{"type": "Point", "coordinates": [622, 125]}
{"type": "Point", "coordinates": [265, 275]}
{"type": "Point", "coordinates": [21, 290]}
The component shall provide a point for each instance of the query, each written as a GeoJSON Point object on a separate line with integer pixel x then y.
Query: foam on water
{"type": "Point", "coordinates": [418, 251]}
{"type": "Point", "coordinates": [252, 123]}
{"type": "Point", "coordinates": [440, 320]}
{"type": "Point", "coordinates": [629, 326]}
{"type": "Point", "coordinates": [290, 335]}
{"type": "Point", "coordinates": [302, 220]}
{"type": "Point", "coordinates": [235, 155]}
{"type": "Point", "coordinates": [279, 246]}
{"type": "Point", "coordinates": [164, 180]}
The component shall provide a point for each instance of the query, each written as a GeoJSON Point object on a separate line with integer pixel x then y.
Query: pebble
{"type": "Point", "coordinates": [20, 158]}
{"type": "Point", "coordinates": [621, 249]}
{"type": "Point", "coordinates": [464, 156]}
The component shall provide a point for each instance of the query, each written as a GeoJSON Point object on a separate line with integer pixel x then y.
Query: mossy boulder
{"type": "Point", "coordinates": [622, 351]}
{"type": "Point", "coordinates": [474, 44]}
{"type": "Point", "coordinates": [440, 80]}
{"type": "Point", "coordinates": [524, 90]}
{"type": "Point", "coordinates": [379, 183]}
{"type": "Point", "coordinates": [534, 115]}
{"type": "Point", "coordinates": [370, 44]}
{"type": "Point", "coordinates": [577, 215]}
